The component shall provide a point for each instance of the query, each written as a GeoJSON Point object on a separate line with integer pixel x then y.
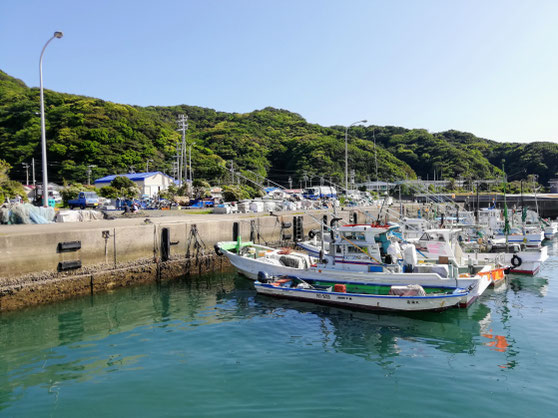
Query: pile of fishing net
{"type": "Point", "coordinates": [86, 215]}
{"type": "Point", "coordinates": [26, 213]}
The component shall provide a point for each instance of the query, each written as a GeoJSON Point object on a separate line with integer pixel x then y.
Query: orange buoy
{"type": "Point", "coordinates": [340, 288]}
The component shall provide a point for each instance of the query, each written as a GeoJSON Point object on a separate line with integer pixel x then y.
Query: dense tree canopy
{"type": "Point", "coordinates": [273, 143]}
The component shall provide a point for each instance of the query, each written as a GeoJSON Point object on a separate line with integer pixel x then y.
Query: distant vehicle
{"type": "Point", "coordinates": [85, 200]}
{"type": "Point", "coordinates": [319, 192]}
{"type": "Point", "coordinates": [201, 203]}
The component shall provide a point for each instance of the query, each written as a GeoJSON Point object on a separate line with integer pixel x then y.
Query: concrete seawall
{"type": "Point", "coordinates": [121, 252]}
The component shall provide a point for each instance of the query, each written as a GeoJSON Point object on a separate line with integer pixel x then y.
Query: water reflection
{"type": "Point", "coordinates": [93, 336]}
{"type": "Point", "coordinates": [536, 285]}
{"type": "Point", "coordinates": [379, 336]}
{"type": "Point", "coordinates": [83, 338]}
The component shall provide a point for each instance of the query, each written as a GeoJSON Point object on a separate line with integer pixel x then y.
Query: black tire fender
{"type": "Point", "coordinates": [516, 261]}
{"type": "Point", "coordinates": [218, 250]}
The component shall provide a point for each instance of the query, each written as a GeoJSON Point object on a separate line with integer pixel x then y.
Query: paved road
{"type": "Point", "coordinates": [156, 217]}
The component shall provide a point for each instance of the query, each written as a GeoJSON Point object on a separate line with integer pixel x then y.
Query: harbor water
{"type": "Point", "coordinates": [209, 346]}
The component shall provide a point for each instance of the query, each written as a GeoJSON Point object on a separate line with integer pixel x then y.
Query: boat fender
{"type": "Point", "coordinates": [312, 233]}
{"type": "Point", "coordinates": [388, 259]}
{"type": "Point", "coordinates": [322, 257]}
{"type": "Point", "coordinates": [218, 250]}
{"type": "Point", "coordinates": [334, 221]}
{"type": "Point", "coordinates": [516, 261]}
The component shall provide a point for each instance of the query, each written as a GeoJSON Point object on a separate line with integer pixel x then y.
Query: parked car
{"type": "Point", "coordinates": [85, 200]}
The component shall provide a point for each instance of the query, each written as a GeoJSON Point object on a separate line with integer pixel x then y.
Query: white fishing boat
{"type": "Point", "coordinates": [375, 248]}
{"type": "Point", "coordinates": [550, 229]}
{"type": "Point", "coordinates": [526, 231]}
{"type": "Point", "coordinates": [516, 257]}
{"type": "Point", "coordinates": [250, 259]}
{"type": "Point", "coordinates": [531, 236]}
{"type": "Point", "coordinates": [408, 298]}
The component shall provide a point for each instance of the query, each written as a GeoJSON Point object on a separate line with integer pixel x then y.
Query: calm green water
{"type": "Point", "coordinates": [210, 347]}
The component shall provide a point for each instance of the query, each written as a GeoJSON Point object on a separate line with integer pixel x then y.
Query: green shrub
{"type": "Point", "coordinates": [109, 192]}
{"type": "Point", "coordinates": [125, 187]}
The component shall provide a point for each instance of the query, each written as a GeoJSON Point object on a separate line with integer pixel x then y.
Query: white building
{"type": "Point", "coordinates": [149, 184]}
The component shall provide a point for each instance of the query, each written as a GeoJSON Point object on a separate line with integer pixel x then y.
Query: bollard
{"type": "Point", "coordinates": [253, 231]}
{"type": "Point", "coordinates": [165, 244]}
{"type": "Point", "coordinates": [298, 228]}
{"type": "Point", "coordinates": [235, 231]}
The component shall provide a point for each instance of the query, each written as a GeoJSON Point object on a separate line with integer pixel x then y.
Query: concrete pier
{"type": "Point", "coordinates": [122, 252]}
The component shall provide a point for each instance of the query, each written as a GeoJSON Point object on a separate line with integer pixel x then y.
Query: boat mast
{"type": "Point", "coordinates": [506, 222]}
{"type": "Point", "coordinates": [522, 204]}
{"type": "Point", "coordinates": [535, 177]}
{"type": "Point", "coordinates": [478, 204]}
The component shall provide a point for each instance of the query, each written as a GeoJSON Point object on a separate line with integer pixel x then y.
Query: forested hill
{"type": "Point", "coordinates": [273, 143]}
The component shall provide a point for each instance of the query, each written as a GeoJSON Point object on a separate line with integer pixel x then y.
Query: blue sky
{"type": "Point", "coordinates": [486, 67]}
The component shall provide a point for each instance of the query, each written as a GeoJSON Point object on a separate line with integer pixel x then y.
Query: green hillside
{"type": "Point", "coordinates": [273, 143]}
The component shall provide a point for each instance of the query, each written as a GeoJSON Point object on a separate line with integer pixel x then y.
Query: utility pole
{"type": "Point", "coordinates": [400, 203]}
{"type": "Point", "coordinates": [305, 178]}
{"type": "Point", "coordinates": [89, 167]}
{"type": "Point", "coordinates": [190, 162]}
{"type": "Point", "coordinates": [181, 150]}
{"type": "Point", "coordinates": [232, 172]}
{"type": "Point", "coordinates": [26, 166]}
{"type": "Point", "coordinates": [132, 171]}
{"type": "Point", "coordinates": [33, 170]}
{"type": "Point", "coordinates": [375, 157]}
{"type": "Point", "coordinates": [147, 165]}
{"type": "Point", "coordinates": [290, 182]}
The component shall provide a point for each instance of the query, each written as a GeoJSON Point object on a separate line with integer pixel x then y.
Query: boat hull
{"type": "Point", "coordinates": [363, 302]}
{"type": "Point", "coordinates": [530, 262]}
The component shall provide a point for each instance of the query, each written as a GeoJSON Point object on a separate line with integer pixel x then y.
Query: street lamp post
{"type": "Point", "coordinates": [89, 167]}
{"type": "Point", "coordinates": [347, 155]}
{"type": "Point", "coordinates": [43, 134]}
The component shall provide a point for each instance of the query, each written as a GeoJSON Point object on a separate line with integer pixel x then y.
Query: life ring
{"type": "Point", "coordinates": [516, 261]}
{"type": "Point", "coordinates": [312, 233]}
{"type": "Point", "coordinates": [218, 250]}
